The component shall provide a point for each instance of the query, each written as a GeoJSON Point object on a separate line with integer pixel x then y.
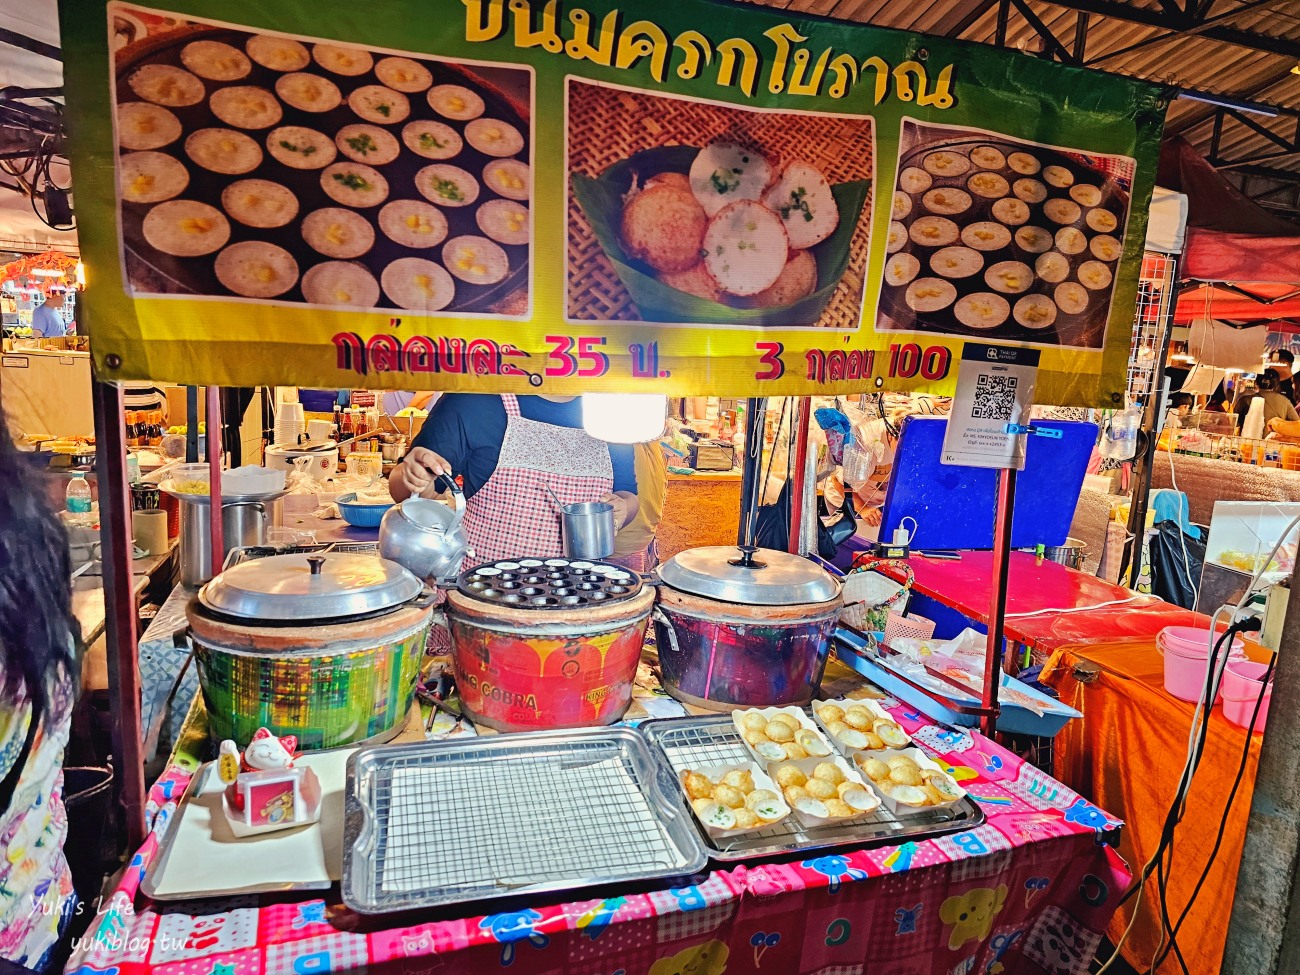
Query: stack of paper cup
{"type": "Point", "coordinates": [289, 423]}
{"type": "Point", "coordinates": [149, 530]}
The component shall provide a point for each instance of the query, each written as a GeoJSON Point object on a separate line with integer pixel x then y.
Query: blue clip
{"type": "Point", "coordinates": [1019, 428]}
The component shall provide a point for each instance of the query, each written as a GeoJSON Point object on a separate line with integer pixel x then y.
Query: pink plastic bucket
{"type": "Point", "coordinates": [1241, 686]}
{"type": "Point", "coordinates": [1186, 650]}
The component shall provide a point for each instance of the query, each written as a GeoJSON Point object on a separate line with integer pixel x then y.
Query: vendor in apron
{"type": "Point", "coordinates": [509, 450]}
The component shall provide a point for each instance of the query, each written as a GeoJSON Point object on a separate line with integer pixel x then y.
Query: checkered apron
{"type": "Point", "coordinates": [512, 516]}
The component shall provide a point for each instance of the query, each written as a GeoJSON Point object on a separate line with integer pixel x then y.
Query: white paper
{"type": "Point", "coordinates": [995, 387]}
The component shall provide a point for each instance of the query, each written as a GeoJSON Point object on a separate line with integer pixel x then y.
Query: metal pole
{"type": "Point", "coordinates": [998, 603]}
{"type": "Point", "coordinates": [797, 486]}
{"type": "Point", "coordinates": [214, 478]}
{"type": "Point", "coordinates": [751, 464]}
{"type": "Point", "coordinates": [191, 424]}
{"type": "Point", "coordinates": [119, 608]}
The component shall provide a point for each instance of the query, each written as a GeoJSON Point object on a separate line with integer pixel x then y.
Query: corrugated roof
{"type": "Point", "coordinates": [1214, 55]}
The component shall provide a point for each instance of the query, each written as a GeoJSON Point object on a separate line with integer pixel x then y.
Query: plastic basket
{"type": "Point", "coordinates": [865, 612]}
{"type": "Point", "coordinates": [900, 627]}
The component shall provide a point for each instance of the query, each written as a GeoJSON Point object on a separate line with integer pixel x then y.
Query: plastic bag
{"type": "Point", "coordinates": [1175, 578]}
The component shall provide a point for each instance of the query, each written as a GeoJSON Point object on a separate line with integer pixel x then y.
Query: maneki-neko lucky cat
{"type": "Point", "coordinates": [265, 791]}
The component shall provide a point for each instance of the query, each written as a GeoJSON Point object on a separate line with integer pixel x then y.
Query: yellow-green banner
{"type": "Point", "coordinates": [687, 197]}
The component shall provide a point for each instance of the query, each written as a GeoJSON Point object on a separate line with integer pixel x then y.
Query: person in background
{"type": "Point", "coordinates": [38, 672]}
{"type": "Point", "coordinates": [1218, 401]}
{"type": "Point", "coordinates": [513, 453]}
{"type": "Point", "coordinates": [1276, 406]}
{"type": "Point", "coordinates": [46, 320]}
{"type": "Point", "coordinates": [1282, 362]}
{"type": "Point", "coordinates": [396, 400]}
{"type": "Point", "coordinates": [636, 547]}
{"type": "Point", "coordinates": [1180, 405]}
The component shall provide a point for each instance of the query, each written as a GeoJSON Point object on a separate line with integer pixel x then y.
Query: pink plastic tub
{"type": "Point", "coordinates": [1241, 686]}
{"type": "Point", "coordinates": [1186, 650]}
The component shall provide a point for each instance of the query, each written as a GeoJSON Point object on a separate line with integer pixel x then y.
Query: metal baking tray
{"type": "Point", "coordinates": [246, 552]}
{"type": "Point", "coordinates": [439, 823]}
{"type": "Point", "coordinates": [713, 740]}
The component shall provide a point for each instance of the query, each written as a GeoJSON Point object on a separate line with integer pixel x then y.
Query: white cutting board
{"type": "Point", "coordinates": [201, 857]}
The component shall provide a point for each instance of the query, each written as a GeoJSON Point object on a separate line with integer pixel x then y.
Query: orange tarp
{"type": "Point", "coordinates": [1126, 754]}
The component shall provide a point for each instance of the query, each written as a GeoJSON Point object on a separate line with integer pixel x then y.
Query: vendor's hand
{"type": "Point", "coordinates": [1272, 425]}
{"type": "Point", "coordinates": [418, 470]}
{"type": "Point", "coordinates": [872, 517]}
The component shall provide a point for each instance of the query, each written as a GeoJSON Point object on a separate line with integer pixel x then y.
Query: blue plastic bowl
{"type": "Point", "coordinates": [361, 515]}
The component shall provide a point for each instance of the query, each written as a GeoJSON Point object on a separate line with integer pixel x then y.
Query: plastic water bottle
{"type": "Point", "coordinates": [77, 499]}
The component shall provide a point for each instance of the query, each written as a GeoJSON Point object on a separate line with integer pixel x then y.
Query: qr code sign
{"type": "Point", "coordinates": [995, 397]}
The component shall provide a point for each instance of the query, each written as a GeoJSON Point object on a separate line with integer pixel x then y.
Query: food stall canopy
{"type": "Point", "coordinates": [1230, 237]}
{"type": "Point", "coordinates": [1167, 222]}
{"type": "Point", "coordinates": [1239, 303]}
{"type": "Point", "coordinates": [316, 195]}
{"type": "Point", "coordinates": [20, 227]}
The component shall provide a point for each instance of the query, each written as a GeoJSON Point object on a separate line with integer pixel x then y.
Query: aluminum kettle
{"type": "Point", "coordinates": [427, 537]}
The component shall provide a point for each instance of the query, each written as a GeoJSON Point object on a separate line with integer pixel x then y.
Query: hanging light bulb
{"type": "Point", "coordinates": [624, 417]}
{"type": "Point", "coordinates": [81, 276]}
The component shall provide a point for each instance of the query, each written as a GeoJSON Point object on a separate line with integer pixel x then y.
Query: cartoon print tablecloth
{"type": "Point", "coordinates": [1028, 892]}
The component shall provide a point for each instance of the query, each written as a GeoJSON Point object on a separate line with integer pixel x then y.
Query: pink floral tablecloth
{"type": "Point", "coordinates": [1028, 892]}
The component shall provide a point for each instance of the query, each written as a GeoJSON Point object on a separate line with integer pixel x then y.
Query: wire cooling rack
{"type": "Point", "coordinates": [694, 742]}
{"type": "Point", "coordinates": [439, 823]}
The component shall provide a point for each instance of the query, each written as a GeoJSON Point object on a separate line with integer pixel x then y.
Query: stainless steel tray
{"type": "Point", "coordinates": [438, 823]}
{"type": "Point", "coordinates": [713, 740]}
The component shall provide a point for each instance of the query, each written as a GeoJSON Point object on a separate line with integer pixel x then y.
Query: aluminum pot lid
{"type": "Point", "coordinates": [322, 586]}
{"type": "Point", "coordinates": [751, 576]}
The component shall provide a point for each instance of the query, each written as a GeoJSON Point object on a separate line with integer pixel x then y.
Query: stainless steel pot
{"type": "Point", "coordinates": [1070, 553]}
{"type": "Point", "coordinates": [588, 530]}
{"type": "Point", "coordinates": [242, 523]}
{"type": "Point", "coordinates": [744, 628]}
{"type": "Point", "coordinates": [426, 536]}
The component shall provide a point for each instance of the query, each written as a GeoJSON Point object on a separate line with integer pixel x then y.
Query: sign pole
{"type": "Point", "coordinates": [998, 602]}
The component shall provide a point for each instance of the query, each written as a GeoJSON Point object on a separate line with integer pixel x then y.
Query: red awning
{"type": "Point", "coordinates": [1240, 303]}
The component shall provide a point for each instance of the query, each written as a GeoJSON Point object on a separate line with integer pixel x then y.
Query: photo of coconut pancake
{"type": "Point", "coordinates": [492, 137]}
{"type": "Point", "coordinates": [432, 140]}
{"type": "Point", "coordinates": [1034, 239]}
{"type": "Point", "coordinates": [1052, 267]}
{"type": "Point", "coordinates": [1035, 311]}
{"type": "Point", "coordinates": [340, 283]}
{"type": "Point", "coordinates": [1029, 190]}
{"type": "Point", "coordinates": [259, 203]}
{"type": "Point", "coordinates": [902, 205]}
{"type": "Point", "coordinates": [946, 164]}
{"type": "Point", "coordinates": [663, 224]}
{"type": "Point", "coordinates": [509, 178]}
{"type": "Point", "coordinates": [505, 221]}
{"type": "Point", "coordinates": [982, 310]}
{"type": "Point", "coordinates": [277, 53]}
{"type": "Point", "coordinates": [724, 172]}
{"type": "Point", "coordinates": [745, 247]}
{"type": "Point", "coordinates": [1011, 212]}
{"type": "Point", "coordinates": [307, 171]}
{"type": "Point", "coordinates": [956, 262]}
{"type": "Point", "coordinates": [914, 181]}
{"type": "Point", "coordinates": [1039, 235]}
{"type": "Point", "coordinates": [986, 236]}
{"type": "Point", "coordinates": [695, 281]}
{"type": "Point", "coordinates": [246, 107]}
{"type": "Point", "coordinates": [186, 228]}
{"type": "Point", "coordinates": [215, 61]}
{"type": "Point", "coordinates": [143, 125]}
{"type": "Point", "coordinates": [1102, 221]}
{"type": "Point", "coordinates": [380, 105]}
{"type": "Point", "coordinates": [348, 61]}
{"type": "Point", "coordinates": [309, 92]}
{"type": "Point", "coordinates": [1071, 241]}
{"type": "Point", "coordinates": [455, 102]}
{"type": "Point", "coordinates": [151, 177]}
{"type": "Point", "coordinates": [1009, 277]}
{"type": "Point", "coordinates": [368, 144]}
{"type": "Point", "coordinates": [354, 184]}
{"type": "Point", "coordinates": [339, 233]}
{"type": "Point", "coordinates": [901, 268]}
{"type": "Point", "coordinates": [403, 74]}
{"type": "Point", "coordinates": [418, 285]}
{"type": "Point", "coordinates": [933, 232]}
{"type": "Point", "coordinates": [447, 186]}
{"type": "Point", "coordinates": [416, 224]}
{"type": "Point", "coordinates": [256, 269]}
{"type": "Point", "coordinates": [930, 294]}
{"type": "Point", "coordinates": [987, 157]}
{"type": "Point", "coordinates": [797, 279]}
{"type": "Point", "coordinates": [1105, 248]}
{"type": "Point", "coordinates": [803, 199]}
{"type": "Point", "coordinates": [164, 84]}
{"type": "Point", "coordinates": [300, 148]}
{"type": "Point", "coordinates": [990, 185]}
{"type": "Point", "coordinates": [947, 201]}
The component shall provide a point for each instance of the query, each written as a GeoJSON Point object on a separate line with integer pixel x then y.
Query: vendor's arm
{"type": "Point", "coordinates": [1291, 414]}
{"type": "Point", "coordinates": [1285, 429]}
{"type": "Point", "coordinates": [454, 440]}
{"type": "Point", "coordinates": [624, 495]}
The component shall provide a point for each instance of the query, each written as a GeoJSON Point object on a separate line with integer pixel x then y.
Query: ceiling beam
{"type": "Point", "coordinates": [1165, 20]}
{"type": "Point", "coordinates": [14, 39]}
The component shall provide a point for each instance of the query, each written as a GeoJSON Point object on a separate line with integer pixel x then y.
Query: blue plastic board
{"type": "Point", "coordinates": [954, 507]}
